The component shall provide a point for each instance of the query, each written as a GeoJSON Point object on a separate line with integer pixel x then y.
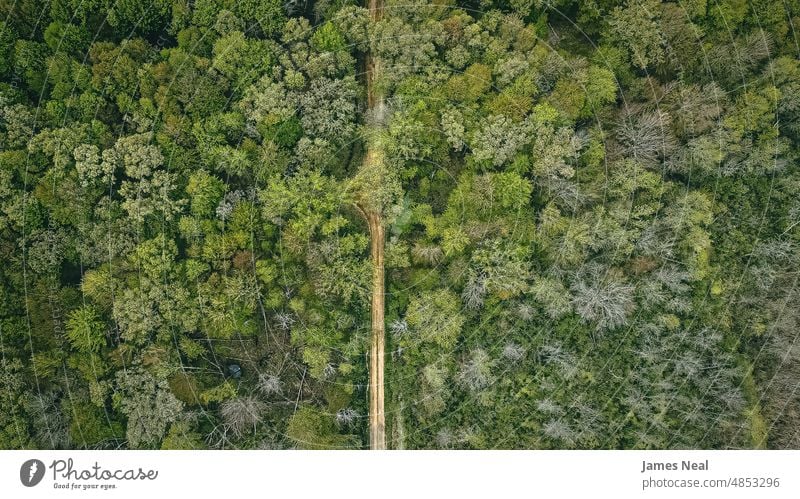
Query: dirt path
{"type": "Point", "coordinates": [377, 418]}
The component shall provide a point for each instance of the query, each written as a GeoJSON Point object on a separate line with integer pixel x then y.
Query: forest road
{"type": "Point", "coordinates": [377, 418]}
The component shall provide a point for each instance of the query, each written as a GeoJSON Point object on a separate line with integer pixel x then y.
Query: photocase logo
{"type": "Point", "coordinates": [66, 474]}
{"type": "Point", "coordinates": [31, 472]}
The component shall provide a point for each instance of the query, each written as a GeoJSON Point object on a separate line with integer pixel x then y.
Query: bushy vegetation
{"type": "Point", "coordinates": [591, 209]}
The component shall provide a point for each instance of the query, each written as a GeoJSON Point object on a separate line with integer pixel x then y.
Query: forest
{"type": "Point", "coordinates": [587, 213]}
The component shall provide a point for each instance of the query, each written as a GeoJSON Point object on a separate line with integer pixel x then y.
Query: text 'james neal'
{"type": "Point", "coordinates": [684, 466]}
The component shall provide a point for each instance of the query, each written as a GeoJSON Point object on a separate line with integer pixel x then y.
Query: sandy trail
{"type": "Point", "coordinates": [377, 418]}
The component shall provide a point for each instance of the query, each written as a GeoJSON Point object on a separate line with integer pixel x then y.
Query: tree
{"type": "Point", "coordinates": [499, 140]}
{"type": "Point", "coordinates": [91, 170]}
{"type": "Point", "coordinates": [268, 14]}
{"type": "Point", "coordinates": [149, 406]}
{"type": "Point", "coordinates": [475, 372]}
{"type": "Point", "coordinates": [604, 300]}
{"type": "Point", "coordinates": [432, 394]}
{"type": "Point", "coordinates": [601, 89]}
{"type": "Point", "coordinates": [13, 424]}
{"type": "Point", "coordinates": [152, 197]}
{"type": "Point", "coordinates": [327, 109]}
{"type": "Point", "coordinates": [239, 58]}
{"type": "Point", "coordinates": [435, 317]}
{"type": "Point", "coordinates": [29, 62]}
{"type": "Point", "coordinates": [127, 15]}
{"type": "Point", "coordinates": [85, 330]}
{"type": "Point", "coordinates": [242, 414]}
{"type": "Point", "coordinates": [137, 316]}
{"type": "Point", "coordinates": [328, 38]}
{"type": "Point", "coordinates": [181, 437]}
{"type": "Point", "coordinates": [90, 428]}
{"type": "Point", "coordinates": [636, 27]}
{"type": "Point", "coordinates": [553, 296]}
{"type": "Point", "coordinates": [66, 37]}
{"type": "Point", "coordinates": [205, 191]}
{"type": "Point", "coordinates": [310, 428]}
{"type": "Point", "coordinates": [7, 38]}
{"type": "Point", "coordinates": [503, 269]}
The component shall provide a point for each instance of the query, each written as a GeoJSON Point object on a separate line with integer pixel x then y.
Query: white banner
{"type": "Point", "coordinates": [415, 474]}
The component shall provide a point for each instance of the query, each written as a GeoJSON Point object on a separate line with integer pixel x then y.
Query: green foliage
{"type": "Point", "coordinates": [601, 89]}
{"type": "Point", "coordinates": [137, 16]}
{"type": "Point", "coordinates": [218, 393]}
{"type": "Point", "coordinates": [435, 317]}
{"type": "Point", "coordinates": [89, 427]}
{"type": "Point", "coordinates": [7, 38]}
{"type": "Point", "coordinates": [588, 211]}
{"type": "Point", "coordinates": [240, 58]}
{"type": "Point", "coordinates": [66, 38]}
{"type": "Point", "coordinates": [85, 330]}
{"type": "Point", "coordinates": [328, 38]}
{"type": "Point", "coordinates": [29, 62]}
{"type": "Point", "coordinates": [205, 192]}
{"type": "Point", "coordinates": [310, 428]}
{"type": "Point", "coordinates": [636, 28]}
{"type": "Point", "coordinates": [285, 133]}
{"type": "Point", "coordinates": [149, 406]}
{"type": "Point", "coordinates": [269, 14]}
{"type": "Point", "coordinates": [182, 437]}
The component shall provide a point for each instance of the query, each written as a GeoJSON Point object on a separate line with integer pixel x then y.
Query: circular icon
{"type": "Point", "coordinates": [31, 472]}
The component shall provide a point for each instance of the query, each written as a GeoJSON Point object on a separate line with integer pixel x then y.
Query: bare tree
{"type": "Point", "coordinates": [269, 384]}
{"type": "Point", "coordinates": [566, 362]}
{"type": "Point", "coordinates": [603, 300]}
{"type": "Point", "coordinates": [513, 352]}
{"type": "Point", "coordinates": [558, 430]}
{"type": "Point", "coordinates": [646, 136]}
{"type": "Point", "coordinates": [284, 320]}
{"type": "Point", "coordinates": [242, 414]}
{"type": "Point", "coordinates": [525, 311]}
{"type": "Point", "coordinates": [474, 291]}
{"type": "Point", "coordinates": [51, 429]}
{"type": "Point", "coordinates": [399, 328]}
{"type": "Point", "coordinates": [346, 416]}
{"type": "Point", "coordinates": [427, 254]}
{"type": "Point", "coordinates": [475, 372]}
{"type": "Point", "coordinates": [329, 370]}
{"type": "Point", "coordinates": [547, 406]}
{"type": "Point", "coordinates": [445, 439]}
